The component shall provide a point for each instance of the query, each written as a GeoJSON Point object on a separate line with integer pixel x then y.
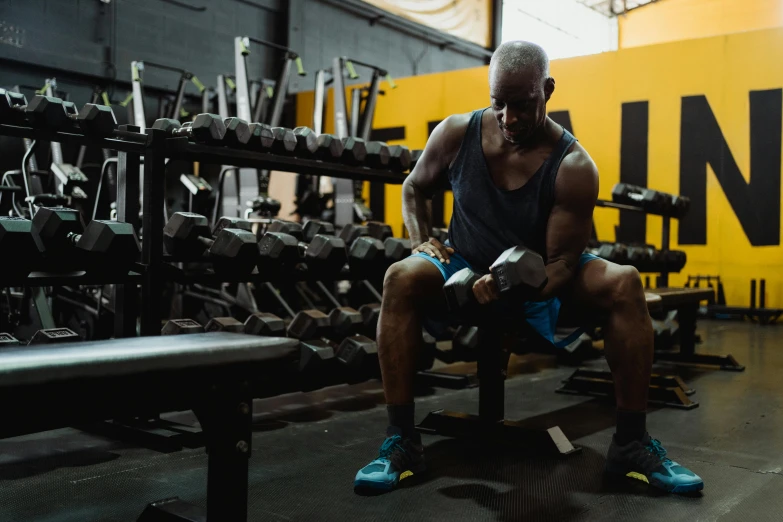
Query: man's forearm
{"type": "Point", "coordinates": [559, 273]}
{"type": "Point", "coordinates": [415, 213]}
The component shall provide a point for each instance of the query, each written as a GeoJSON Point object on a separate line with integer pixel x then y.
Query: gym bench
{"type": "Point", "coordinates": [214, 374]}
{"type": "Point", "coordinates": [490, 423]}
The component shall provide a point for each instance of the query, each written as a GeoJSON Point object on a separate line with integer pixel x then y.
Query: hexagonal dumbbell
{"type": "Point", "coordinates": [379, 230]}
{"type": "Point", "coordinates": [377, 155]}
{"type": "Point", "coordinates": [206, 128]}
{"type": "Point", "coordinates": [93, 119]}
{"type": "Point", "coordinates": [354, 151]}
{"type": "Point", "coordinates": [224, 324]}
{"type": "Point", "coordinates": [399, 158]}
{"type": "Point", "coordinates": [181, 327]}
{"type": "Point", "coordinates": [265, 324]}
{"type": "Point", "coordinates": [306, 142]}
{"type": "Point", "coordinates": [366, 258]}
{"type": "Point", "coordinates": [314, 227]}
{"type": "Point", "coordinates": [108, 245]}
{"type": "Point", "coordinates": [518, 273]}
{"type": "Point", "coordinates": [329, 148]}
{"type": "Point", "coordinates": [232, 251]}
{"type": "Point", "coordinates": [16, 238]}
{"type": "Point", "coordinates": [285, 141]}
{"type": "Point", "coordinates": [261, 137]}
{"type": "Point", "coordinates": [237, 132]}
{"type": "Point", "coordinates": [278, 253]}
{"type": "Point", "coordinates": [396, 249]}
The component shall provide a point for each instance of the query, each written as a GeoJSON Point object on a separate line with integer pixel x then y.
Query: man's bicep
{"type": "Point", "coordinates": [571, 220]}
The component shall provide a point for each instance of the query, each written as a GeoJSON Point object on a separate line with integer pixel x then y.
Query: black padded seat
{"type": "Point", "coordinates": [216, 375]}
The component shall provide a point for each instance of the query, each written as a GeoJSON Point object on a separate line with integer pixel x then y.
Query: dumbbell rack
{"type": "Point", "coordinates": [156, 147]}
{"type": "Point", "coordinates": [663, 278]}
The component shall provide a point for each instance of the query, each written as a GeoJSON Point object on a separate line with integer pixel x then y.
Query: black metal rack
{"type": "Point", "coordinates": [663, 278]}
{"type": "Point", "coordinates": [156, 147]}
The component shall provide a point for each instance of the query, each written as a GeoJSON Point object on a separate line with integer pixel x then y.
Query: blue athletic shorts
{"type": "Point", "coordinates": [542, 315]}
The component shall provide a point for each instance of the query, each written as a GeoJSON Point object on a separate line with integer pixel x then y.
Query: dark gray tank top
{"type": "Point", "coordinates": [487, 220]}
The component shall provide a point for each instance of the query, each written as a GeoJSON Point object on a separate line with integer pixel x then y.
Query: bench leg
{"type": "Point", "coordinates": [687, 355]}
{"type": "Point", "coordinates": [490, 423]}
{"type": "Point", "coordinates": [227, 420]}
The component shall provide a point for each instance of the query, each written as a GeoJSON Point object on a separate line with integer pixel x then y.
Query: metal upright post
{"type": "Point", "coordinates": [125, 295]}
{"type": "Point", "coordinates": [152, 232]}
{"type": "Point", "coordinates": [343, 188]}
{"type": "Point", "coordinates": [138, 96]}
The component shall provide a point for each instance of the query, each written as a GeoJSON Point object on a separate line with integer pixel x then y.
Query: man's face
{"type": "Point", "coordinates": [519, 102]}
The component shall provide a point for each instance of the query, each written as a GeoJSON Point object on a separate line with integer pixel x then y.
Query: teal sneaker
{"type": "Point", "coordinates": [397, 459]}
{"type": "Point", "coordinates": [646, 461]}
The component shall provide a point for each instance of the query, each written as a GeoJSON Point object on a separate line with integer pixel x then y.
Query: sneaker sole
{"type": "Point", "coordinates": [638, 477]}
{"type": "Point", "coordinates": [360, 484]}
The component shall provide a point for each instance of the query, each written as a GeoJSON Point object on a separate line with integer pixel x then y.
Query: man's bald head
{"type": "Point", "coordinates": [519, 57]}
{"type": "Point", "coordinates": [520, 87]}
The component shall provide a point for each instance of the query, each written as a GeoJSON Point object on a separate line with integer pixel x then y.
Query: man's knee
{"type": "Point", "coordinates": [626, 285]}
{"type": "Point", "coordinates": [411, 277]}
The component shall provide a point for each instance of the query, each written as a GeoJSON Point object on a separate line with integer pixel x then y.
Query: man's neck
{"type": "Point", "coordinates": [541, 136]}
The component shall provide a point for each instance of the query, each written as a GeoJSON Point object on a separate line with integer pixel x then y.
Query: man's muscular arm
{"type": "Point", "coordinates": [429, 175]}
{"type": "Point", "coordinates": [571, 219]}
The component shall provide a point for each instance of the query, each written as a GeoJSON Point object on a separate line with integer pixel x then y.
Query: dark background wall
{"type": "Point", "coordinates": [320, 30]}
{"type": "Point", "coordinates": [92, 42]}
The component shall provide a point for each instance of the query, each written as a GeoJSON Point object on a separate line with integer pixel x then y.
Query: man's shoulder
{"type": "Point", "coordinates": [454, 126]}
{"type": "Point", "coordinates": [577, 162]}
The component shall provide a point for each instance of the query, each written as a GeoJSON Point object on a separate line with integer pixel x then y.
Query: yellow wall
{"type": "Point", "coordinates": [672, 20]}
{"type": "Point", "coordinates": [592, 89]}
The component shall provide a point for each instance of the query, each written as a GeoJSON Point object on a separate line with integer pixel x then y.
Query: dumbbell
{"type": "Point", "coordinates": [261, 137]}
{"type": "Point", "coordinates": [399, 158]}
{"type": "Point", "coordinates": [291, 228]}
{"type": "Point", "coordinates": [232, 251]}
{"type": "Point", "coordinates": [396, 249]}
{"type": "Point", "coordinates": [648, 199]}
{"type": "Point", "coordinates": [324, 256]}
{"type": "Point", "coordinates": [379, 230]}
{"type": "Point", "coordinates": [367, 259]}
{"type": "Point", "coordinates": [284, 141]}
{"type": "Point", "coordinates": [351, 232]}
{"type": "Point", "coordinates": [441, 234]}
{"type": "Point", "coordinates": [206, 128]}
{"type": "Point", "coordinates": [306, 142]}
{"type": "Point", "coordinates": [237, 132]}
{"type": "Point", "coordinates": [181, 327]}
{"type": "Point", "coordinates": [39, 112]}
{"type": "Point", "coordinates": [7, 340]}
{"type": "Point", "coordinates": [518, 273]}
{"type": "Point", "coordinates": [371, 312]}
{"type": "Point", "coordinates": [415, 155]}
{"type": "Point", "coordinates": [224, 324]}
{"type": "Point", "coordinates": [680, 206]}
{"type": "Point", "coordinates": [329, 148]}
{"type": "Point", "coordinates": [93, 119]}
{"type": "Point", "coordinates": [356, 354]}
{"type": "Point", "coordinates": [107, 245]}
{"type": "Point", "coordinates": [16, 238]}
{"type": "Point", "coordinates": [317, 361]}
{"type": "Point", "coordinates": [354, 151]}
{"type": "Point", "coordinates": [314, 227]}
{"type": "Point", "coordinates": [53, 336]}
{"type": "Point", "coordinates": [378, 155]}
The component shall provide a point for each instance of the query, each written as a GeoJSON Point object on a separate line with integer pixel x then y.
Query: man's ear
{"type": "Point", "coordinates": [549, 87]}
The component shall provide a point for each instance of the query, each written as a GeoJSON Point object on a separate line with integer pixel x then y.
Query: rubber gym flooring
{"type": "Point", "coordinates": [307, 447]}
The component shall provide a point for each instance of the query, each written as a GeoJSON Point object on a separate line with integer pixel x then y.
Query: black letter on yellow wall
{"type": "Point", "coordinates": [756, 203]}
{"type": "Point", "coordinates": [633, 167]}
{"type": "Point", "coordinates": [562, 118]}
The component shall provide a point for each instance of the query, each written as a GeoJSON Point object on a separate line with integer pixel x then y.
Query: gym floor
{"type": "Point", "coordinates": [307, 447]}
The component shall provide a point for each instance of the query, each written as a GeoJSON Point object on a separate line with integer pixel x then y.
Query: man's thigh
{"type": "Point", "coordinates": [587, 298]}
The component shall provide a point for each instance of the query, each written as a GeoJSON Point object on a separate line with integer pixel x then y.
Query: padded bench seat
{"type": "Point", "coordinates": [214, 374]}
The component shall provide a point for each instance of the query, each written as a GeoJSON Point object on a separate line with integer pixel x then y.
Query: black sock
{"type": "Point", "coordinates": [401, 416]}
{"type": "Point", "coordinates": [631, 425]}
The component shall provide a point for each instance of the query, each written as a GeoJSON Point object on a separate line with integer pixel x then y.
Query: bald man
{"type": "Point", "coordinates": [518, 178]}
